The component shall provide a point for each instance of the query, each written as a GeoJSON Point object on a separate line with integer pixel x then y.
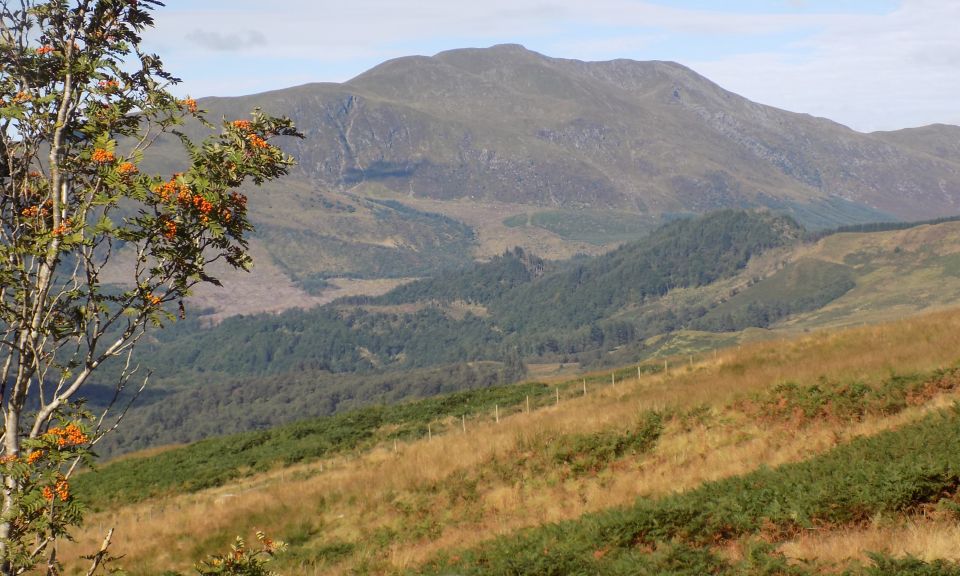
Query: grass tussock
{"type": "Point", "coordinates": [924, 538]}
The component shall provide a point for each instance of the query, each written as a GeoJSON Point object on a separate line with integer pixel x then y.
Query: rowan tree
{"type": "Point", "coordinates": [81, 108]}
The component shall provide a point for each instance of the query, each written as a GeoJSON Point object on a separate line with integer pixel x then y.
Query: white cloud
{"type": "Point", "coordinates": [872, 72]}
{"type": "Point", "coordinates": [227, 42]}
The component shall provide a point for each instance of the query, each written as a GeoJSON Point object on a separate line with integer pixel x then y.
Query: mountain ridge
{"type": "Point", "coordinates": [463, 123]}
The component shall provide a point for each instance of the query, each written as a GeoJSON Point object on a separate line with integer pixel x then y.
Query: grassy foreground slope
{"type": "Point", "coordinates": [895, 472]}
{"type": "Point", "coordinates": [689, 468]}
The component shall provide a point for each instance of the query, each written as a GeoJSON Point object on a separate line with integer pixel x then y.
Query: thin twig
{"type": "Point", "coordinates": [99, 556]}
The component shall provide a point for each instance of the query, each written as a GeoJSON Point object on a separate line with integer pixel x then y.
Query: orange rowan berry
{"type": "Point", "coordinates": [169, 229]}
{"type": "Point", "coordinates": [71, 435]}
{"type": "Point", "coordinates": [202, 204]}
{"type": "Point", "coordinates": [76, 434]}
{"type": "Point", "coordinates": [46, 49]}
{"type": "Point", "coordinates": [48, 494]}
{"type": "Point", "coordinates": [267, 543]}
{"type": "Point", "coordinates": [102, 156]}
{"type": "Point", "coordinates": [63, 489]}
{"type": "Point", "coordinates": [190, 104]}
{"type": "Point", "coordinates": [62, 228]}
{"type": "Point", "coordinates": [241, 124]}
{"type": "Point", "coordinates": [257, 142]}
{"type": "Point", "coordinates": [34, 211]}
{"type": "Point", "coordinates": [34, 456]}
{"type": "Point", "coordinates": [166, 190]}
{"type": "Point", "coordinates": [127, 169]}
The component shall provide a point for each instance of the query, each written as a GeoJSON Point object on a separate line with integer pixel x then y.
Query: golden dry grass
{"type": "Point", "coordinates": [403, 507]}
{"type": "Point", "coordinates": [924, 539]}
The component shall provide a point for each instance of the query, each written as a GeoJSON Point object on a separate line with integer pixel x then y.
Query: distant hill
{"type": "Point", "coordinates": [479, 313]}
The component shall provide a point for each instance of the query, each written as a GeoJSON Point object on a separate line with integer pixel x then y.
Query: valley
{"type": "Point", "coordinates": [517, 309]}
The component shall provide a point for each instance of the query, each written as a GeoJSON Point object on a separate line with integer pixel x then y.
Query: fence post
{"type": "Point", "coordinates": [496, 411]}
{"type": "Point", "coordinates": [463, 422]}
{"type": "Point", "coordinates": [584, 386]}
{"type": "Point", "coordinates": [558, 395]}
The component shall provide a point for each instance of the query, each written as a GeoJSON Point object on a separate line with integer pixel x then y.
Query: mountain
{"type": "Point", "coordinates": [423, 164]}
{"type": "Point", "coordinates": [559, 157]}
{"type": "Point", "coordinates": [510, 125]}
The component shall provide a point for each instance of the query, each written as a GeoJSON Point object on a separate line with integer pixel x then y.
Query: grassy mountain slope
{"type": "Point", "coordinates": [689, 468]}
{"type": "Point", "coordinates": [897, 272]}
{"type": "Point", "coordinates": [802, 286]}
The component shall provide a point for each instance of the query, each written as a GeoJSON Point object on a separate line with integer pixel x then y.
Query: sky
{"type": "Point", "coordinates": [868, 64]}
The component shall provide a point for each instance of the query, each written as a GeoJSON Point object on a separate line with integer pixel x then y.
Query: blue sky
{"type": "Point", "coordinates": [869, 64]}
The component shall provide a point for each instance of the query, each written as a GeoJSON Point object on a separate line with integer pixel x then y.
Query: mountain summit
{"type": "Point", "coordinates": [510, 125]}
